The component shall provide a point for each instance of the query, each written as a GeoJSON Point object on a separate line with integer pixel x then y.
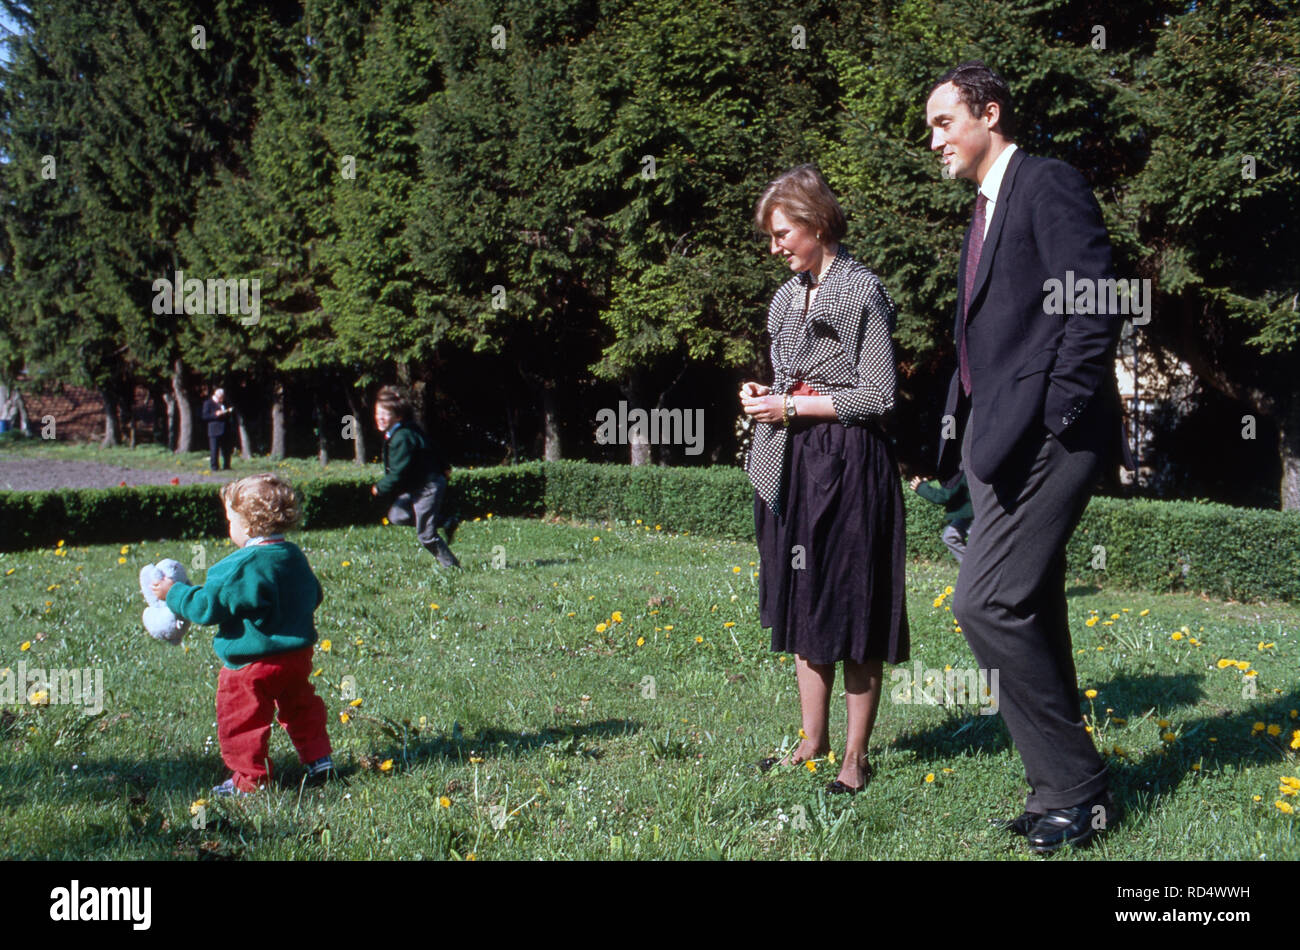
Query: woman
{"type": "Point", "coordinates": [828, 506]}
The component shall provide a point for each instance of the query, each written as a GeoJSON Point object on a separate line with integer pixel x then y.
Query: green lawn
{"type": "Point", "coordinates": [516, 730]}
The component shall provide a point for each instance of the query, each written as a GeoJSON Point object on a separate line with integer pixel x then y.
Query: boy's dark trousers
{"type": "Point", "coordinates": [421, 509]}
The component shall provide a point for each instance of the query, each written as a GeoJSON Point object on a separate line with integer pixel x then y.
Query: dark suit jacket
{"type": "Point", "coordinates": [216, 423]}
{"type": "Point", "coordinates": [1029, 368]}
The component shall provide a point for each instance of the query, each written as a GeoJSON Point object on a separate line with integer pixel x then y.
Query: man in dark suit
{"type": "Point", "coordinates": [217, 415]}
{"type": "Point", "coordinates": [1035, 401]}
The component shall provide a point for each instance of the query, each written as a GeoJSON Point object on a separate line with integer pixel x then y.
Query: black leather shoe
{"type": "Point", "coordinates": [1076, 825]}
{"type": "Point", "coordinates": [1019, 825]}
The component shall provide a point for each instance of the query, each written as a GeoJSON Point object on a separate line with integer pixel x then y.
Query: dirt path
{"type": "Point", "coordinates": [44, 474]}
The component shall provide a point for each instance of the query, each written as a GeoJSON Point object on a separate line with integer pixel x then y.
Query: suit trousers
{"type": "Point", "coordinates": [1010, 602]}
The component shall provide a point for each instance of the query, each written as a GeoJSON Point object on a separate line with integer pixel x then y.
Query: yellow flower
{"type": "Point", "coordinates": [947, 591]}
{"type": "Point", "coordinates": [344, 717]}
{"type": "Point", "coordinates": [570, 614]}
{"type": "Point", "coordinates": [938, 602]}
{"type": "Point", "coordinates": [640, 641]}
{"type": "Point", "coordinates": [1257, 727]}
{"type": "Point", "coordinates": [434, 607]}
{"type": "Point", "coordinates": [1284, 807]}
{"type": "Point", "coordinates": [60, 544]}
{"type": "Point", "coordinates": [1290, 781]}
{"type": "Point", "coordinates": [444, 801]}
{"type": "Point", "coordinates": [729, 623]}
{"type": "Point", "coordinates": [601, 628]}
{"type": "Point", "coordinates": [810, 765]}
{"type": "Point", "coordinates": [1108, 623]}
{"type": "Point", "coordinates": [1168, 737]}
{"type": "Point", "coordinates": [1176, 635]}
{"type": "Point", "coordinates": [596, 538]}
{"type": "Point", "coordinates": [617, 617]}
{"type": "Point", "coordinates": [929, 777]}
{"type": "Point", "coordinates": [668, 626]}
{"type": "Point", "coordinates": [317, 672]}
{"type": "Point", "coordinates": [1144, 613]}
{"type": "Point", "coordinates": [1196, 766]}
{"type": "Point", "coordinates": [386, 765]}
{"type": "Point", "coordinates": [638, 520]}
{"type": "Point", "coordinates": [356, 702]}
{"type": "Point", "coordinates": [40, 698]}
{"type": "Point", "coordinates": [1265, 646]}
{"type": "Point", "coordinates": [125, 549]}
{"type": "Point", "coordinates": [803, 735]}
{"type": "Point", "coordinates": [1088, 729]}
{"type": "Point", "coordinates": [735, 570]}
{"type": "Point", "coordinates": [1162, 723]}
{"type": "Point", "coordinates": [699, 639]}
{"type": "Point", "coordinates": [1243, 665]}
{"type": "Point", "coordinates": [1114, 616]}
{"type": "Point", "coordinates": [325, 646]}
{"type": "Point", "coordinates": [1256, 798]}
{"type": "Point", "coordinates": [1090, 622]}
{"type": "Point", "coordinates": [1295, 739]}
{"type": "Point", "coordinates": [10, 571]}
{"type": "Point", "coordinates": [830, 757]}
{"type": "Point", "coordinates": [1295, 713]}
{"type": "Point", "coordinates": [1274, 730]}
{"type": "Point", "coordinates": [475, 760]}
{"type": "Point", "coordinates": [658, 527]}
{"type": "Point", "coordinates": [121, 560]}
{"type": "Point", "coordinates": [196, 805]}
{"type": "Point", "coordinates": [347, 563]}
{"type": "Point", "coordinates": [1286, 790]}
{"type": "Point", "coordinates": [1090, 693]}
{"type": "Point", "coordinates": [1224, 664]}
{"type": "Point", "coordinates": [488, 515]}
{"type": "Point", "coordinates": [383, 521]}
{"type": "Point", "coordinates": [1193, 641]}
{"type": "Point", "coordinates": [26, 645]}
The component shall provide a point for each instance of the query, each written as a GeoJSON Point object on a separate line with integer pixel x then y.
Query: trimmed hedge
{"type": "Point", "coordinates": [1242, 554]}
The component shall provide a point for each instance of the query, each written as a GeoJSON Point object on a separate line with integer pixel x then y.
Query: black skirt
{"type": "Point", "coordinates": [831, 569]}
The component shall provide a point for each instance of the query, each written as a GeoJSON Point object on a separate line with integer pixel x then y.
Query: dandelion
{"type": "Point", "coordinates": [10, 571]}
{"type": "Point", "coordinates": [803, 735]}
{"type": "Point", "coordinates": [121, 560]}
{"type": "Point", "coordinates": [947, 591]}
{"type": "Point", "coordinates": [444, 801]}
{"type": "Point", "coordinates": [1295, 739]}
{"type": "Point", "coordinates": [347, 563]}
{"type": "Point", "coordinates": [436, 607]}
{"type": "Point", "coordinates": [1196, 766]}
{"type": "Point", "coordinates": [1162, 723]}
{"type": "Point", "coordinates": [344, 717]}
{"type": "Point", "coordinates": [26, 645]}
{"type": "Point", "coordinates": [325, 646]}
{"type": "Point", "coordinates": [1256, 798]}
{"type": "Point", "coordinates": [385, 520]}
{"type": "Point", "coordinates": [1243, 665]}
{"type": "Point", "coordinates": [1274, 730]}
{"type": "Point", "coordinates": [735, 570]}
{"type": "Point", "coordinates": [1290, 781]}
{"type": "Point", "coordinates": [729, 623]}
{"type": "Point", "coordinates": [317, 672]}
{"type": "Point", "coordinates": [1224, 663]}
{"type": "Point", "coordinates": [1176, 635]}
{"type": "Point", "coordinates": [125, 549]}
{"type": "Point", "coordinates": [601, 628]}
{"type": "Point", "coordinates": [475, 760]}
{"type": "Point", "coordinates": [197, 804]}
{"type": "Point", "coordinates": [1265, 646]}
{"type": "Point", "coordinates": [938, 602]}
{"type": "Point", "coordinates": [1144, 613]}
{"type": "Point", "coordinates": [699, 639]}
{"type": "Point", "coordinates": [830, 757]}
{"type": "Point", "coordinates": [668, 626]}
{"type": "Point", "coordinates": [1090, 622]}
{"type": "Point", "coordinates": [1284, 807]}
{"type": "Point", "coordinates": [1114, 616]}
{"type": "Point", "coordinates": [596, 538]}
{"type": "Point", "coordinates": [929, 778]}
{"type": "Point", "coordinates": [1090, 693]}
{"type": "Point", "coordinates": [810, 765]}
{"type": "Point", "coordinates": [40, 698]}
{"type": "Point", "coordinates": [1257, 727]}
{"type": "Point", "coordinates": [1193, 641]}
{"type": "Point", "coordinates": [571, 614]}
{"type": "Point", "coordinates": [488, 515]}
{"type": "Point", "coordinates": [617, 617]}
{"type": "Point", "coordinates": [640, 641]}
{"type": "Point", "coordinates": [356, 702]}
{"type": "Point", "coordinates": [60, 544]}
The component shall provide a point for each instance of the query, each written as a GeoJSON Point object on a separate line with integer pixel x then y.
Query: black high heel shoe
{"type": "Point", "coordinates": [839, 788]}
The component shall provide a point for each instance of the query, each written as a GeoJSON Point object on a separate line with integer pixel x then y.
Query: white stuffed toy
{"type": "Point", "coordinates": [159, 620]}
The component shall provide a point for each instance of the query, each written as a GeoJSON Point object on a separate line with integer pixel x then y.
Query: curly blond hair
{"type": "Point", "coordinates": [267, 502]}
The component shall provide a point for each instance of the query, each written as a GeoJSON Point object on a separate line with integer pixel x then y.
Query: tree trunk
{"type": "Point", "coordinates": [277, 419]}
{"type": "Point", "coordinates": [185, 412]}
{"type": "Point", "coordinates": [245, 446]}
{"type": "Point", "coordinates": [111, 435]}
{"type": "Point", "coordinates": [357, 408]}
{"type": "Point", "coordinates": [169, 402]}
{"type": "Point", "coordinates": [638, 448]}
{"type": "Point", "coordinates": [551, 451]}
{"type": "Point", "coordinates": [322, 443]}
{"type": "Point", "coordinates": [1288, 448]}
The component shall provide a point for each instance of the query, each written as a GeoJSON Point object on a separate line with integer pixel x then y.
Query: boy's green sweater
{"type": "Point", "coordinates": [956, 500]}
{"type": "Point", "coordinates": [262, 598]}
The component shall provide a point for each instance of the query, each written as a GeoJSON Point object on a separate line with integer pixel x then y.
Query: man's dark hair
{"type": "Point", "coordinates": [978, 86]}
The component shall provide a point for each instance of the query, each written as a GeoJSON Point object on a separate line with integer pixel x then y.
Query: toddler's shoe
{"type": "Point", "coordinates": [228, 789]}
{"type": "Point", "coordinates": [319, 772]}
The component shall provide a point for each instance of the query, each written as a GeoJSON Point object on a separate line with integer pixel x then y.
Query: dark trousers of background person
{"type": "Point", "coordinates": [1010, 602]}
{"type": "Point", "coordinates": [956, 536]}
{"type": "Point", "coordinates": [422, 509]}
{"type": "Point", "coordinates": [218, 444]}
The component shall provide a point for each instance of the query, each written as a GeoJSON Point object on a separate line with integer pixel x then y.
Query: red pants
{"type": "Point", "coordinates": [246, 701]}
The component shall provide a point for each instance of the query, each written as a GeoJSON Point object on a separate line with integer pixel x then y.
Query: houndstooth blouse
{"type": "Point", "coordinates": [844, 349]}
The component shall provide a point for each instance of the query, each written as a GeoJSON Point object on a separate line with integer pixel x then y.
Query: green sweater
{"type": "Point", "coordinates": [407, 461]}
{"type": "Point", "coordinates": [262, 598]}
{"type": "Point", "coordinates": [955, 500]}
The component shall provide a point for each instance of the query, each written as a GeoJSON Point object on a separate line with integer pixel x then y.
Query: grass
{"type": "Point", "coordinates": [159, 458]}
{"type": "Point", "coordinates": [513, 729]}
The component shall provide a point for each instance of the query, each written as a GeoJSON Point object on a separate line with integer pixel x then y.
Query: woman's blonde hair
{"type": "Point", "coordinates": [267, 502]}
{"type": "Point", "coordinates": [804, 197]}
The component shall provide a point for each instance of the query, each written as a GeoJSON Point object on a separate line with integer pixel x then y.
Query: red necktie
{"type": "Point", "coordinates": [968, 283]}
